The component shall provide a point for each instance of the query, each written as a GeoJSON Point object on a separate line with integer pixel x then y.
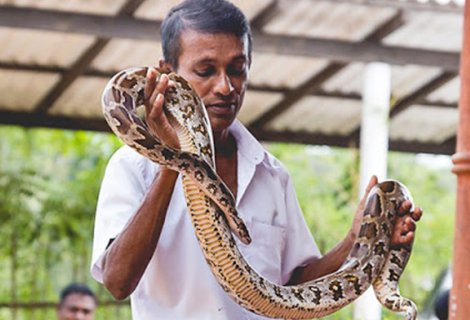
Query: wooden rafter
{"type": "Point", "coordinates": [447, 147]}
{"type": "Point", "coordinates": [71, 75]}
{"type": "Point", "coordinates": [31, 120]}
{"type": "Point", "coordinates": [265, 15]}
{"type": "Point", "coordinates": [81, 64]}
{"type": "Point", "coordinates": [49, 121]}
{"type": "Point", "coordinates": [419, 94]}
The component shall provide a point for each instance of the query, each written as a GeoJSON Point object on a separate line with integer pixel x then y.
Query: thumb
{"type": "Point", "coordinates": [372, 182]}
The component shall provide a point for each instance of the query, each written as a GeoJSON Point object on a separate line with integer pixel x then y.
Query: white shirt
{"type": "Point", "coordinates": [178, 283]}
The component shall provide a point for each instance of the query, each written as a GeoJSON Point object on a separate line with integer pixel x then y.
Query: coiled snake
{"type": "Point", "coordinates": [372, 261]}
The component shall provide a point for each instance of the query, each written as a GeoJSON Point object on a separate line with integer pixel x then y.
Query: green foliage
{"type": "Point", "coordinates": [49, 182]}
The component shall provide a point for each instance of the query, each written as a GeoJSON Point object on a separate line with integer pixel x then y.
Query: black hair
{"type": "Point", "coordinates": [206, 16]}
{"type": "Point", "coordinates": [76, 288]}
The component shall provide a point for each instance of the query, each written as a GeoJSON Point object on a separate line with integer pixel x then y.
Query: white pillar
{"type": "Point", "coordinates": [373, 153]}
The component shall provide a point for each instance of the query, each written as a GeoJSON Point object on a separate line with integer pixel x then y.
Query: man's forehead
{"type": "Point", "coordinates": [209, 45]}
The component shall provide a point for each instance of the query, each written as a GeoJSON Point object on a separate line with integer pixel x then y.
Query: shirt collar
{"type": "Point", "coordinates": [247, 145]}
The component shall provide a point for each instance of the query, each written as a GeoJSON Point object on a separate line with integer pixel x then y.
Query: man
{"type": "Point", "coordinates": [77, 302]}
{"type": "Point", "coordinates": [144, 243]}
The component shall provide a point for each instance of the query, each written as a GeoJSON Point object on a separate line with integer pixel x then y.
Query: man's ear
{"type": "Point", "coordinates": [163, 65]}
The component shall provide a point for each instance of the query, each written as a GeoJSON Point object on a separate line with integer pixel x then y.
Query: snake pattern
{"type": "Point", "coordinates": [372, 261]}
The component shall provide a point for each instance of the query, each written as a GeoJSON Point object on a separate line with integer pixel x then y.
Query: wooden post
{"type": "Point", "coordinates": [459, 304]}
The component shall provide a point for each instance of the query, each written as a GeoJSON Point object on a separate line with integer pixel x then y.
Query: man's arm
{"type": "Point", "coordinates": [127, 257]}
{"type": "Point", "coordinates": [403, 234]}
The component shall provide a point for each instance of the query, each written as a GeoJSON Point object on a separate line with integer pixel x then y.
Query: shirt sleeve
{"type": "Point", "coordinates": [300, 245]}
{"type": "Point", "coordinates": [122, 190]}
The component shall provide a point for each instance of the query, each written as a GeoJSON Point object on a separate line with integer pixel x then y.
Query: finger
{"type": "Point", "coordinates": [405, 207]}
{"type": "Point", "coordinates": [149, 82]}
{"type": "Point", "coordinates": [417, 214]}
{"type": "Point", "coordinates": [402, 239]}
{"type": "Point", "coordinates": [157, 108]}
{"type": "Point", "coordinates": [408, 225]}
{"type": "Point", "coordinates": [160, 87]}
{"type": "Point", "coordinates": [407, 238]}
{"type": "Point", "coordinates": [372, 182]}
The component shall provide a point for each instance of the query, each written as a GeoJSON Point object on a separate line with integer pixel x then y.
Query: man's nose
{"type": "Point", "coordinates": [224, 85]}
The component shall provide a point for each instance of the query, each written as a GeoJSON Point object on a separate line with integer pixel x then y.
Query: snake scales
{"type": "Point", "coordinates": [372, 261]}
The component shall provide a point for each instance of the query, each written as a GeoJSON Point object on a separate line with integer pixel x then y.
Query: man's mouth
{"type": "Point", "coordinates": [221, 108]}
{"type": "Point", "coordinates": [221, 105]}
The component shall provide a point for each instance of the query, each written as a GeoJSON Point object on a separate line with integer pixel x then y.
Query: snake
{"type": "Point", "coordinates": [372, 261]}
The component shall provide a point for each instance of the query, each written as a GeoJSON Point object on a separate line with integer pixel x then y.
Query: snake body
{"type": "Point", "coordinates": [372, 261]}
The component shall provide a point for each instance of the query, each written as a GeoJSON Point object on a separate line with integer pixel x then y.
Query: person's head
{"type": "Point", "coordinates": [204, 16]}
{"type": "Point", "coordinates": [208, 42]}
{"type": "Point", "coordinates": [77, 302]}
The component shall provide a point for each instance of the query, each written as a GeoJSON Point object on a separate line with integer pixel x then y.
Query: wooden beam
{"type": "Point", "coordinates": [127, 27]}
{"type": "Point", "coordinates": [82, 63]}
{"type": "Point", "coordinates": [419, 94]}
{"type": "Point", "coordinates": [387, 27]}
{"type": "Point", "coordinates": [446, 147]}
{"type": "Point", "coordinates": [71, 75]}
{"type": "Point", "coordinates": [34, 120]}
{"type": "Point", "coordinates": [31, 120]}
{"type": "Point", "coordinates": [366, 51]}
{"type": "Point", "coordinates": [15, 66]}
{"type": "Point", "coordinates": [265, 15]}
{"type": "Point", "coordinates": [101, 26]}
{"type": "Point", "coordinates": [440, 104]}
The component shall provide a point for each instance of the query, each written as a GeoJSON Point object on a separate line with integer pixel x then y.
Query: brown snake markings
{"type": "Point", "coordinates": [212, 208]}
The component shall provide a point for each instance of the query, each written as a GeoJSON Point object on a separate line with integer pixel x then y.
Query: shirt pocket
{"type": "Point", "coordinates": [264, 253]}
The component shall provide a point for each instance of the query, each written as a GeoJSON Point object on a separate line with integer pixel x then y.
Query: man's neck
{"type": "Point", "coordinates": [225, 144]}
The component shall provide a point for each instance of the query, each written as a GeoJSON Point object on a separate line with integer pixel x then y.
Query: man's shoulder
{"type": "Point", "coordinates": [126, 157]}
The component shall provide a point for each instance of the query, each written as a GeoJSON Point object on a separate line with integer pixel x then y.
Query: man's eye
{"type": "Point", "coordinates": [204, 72]}
{"type": "Point", "coordinates": [237, 70]}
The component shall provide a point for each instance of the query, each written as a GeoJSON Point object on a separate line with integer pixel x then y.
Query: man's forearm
{"type": "Point", "coordinates": [128, 255]}
{"type": "Point", "coordinates": [326, 264]}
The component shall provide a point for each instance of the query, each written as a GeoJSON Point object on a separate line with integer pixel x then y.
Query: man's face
{"type": "Point", "coordinates": [77, 306]}
{"type": "Point", "coordinates": [216, 65]}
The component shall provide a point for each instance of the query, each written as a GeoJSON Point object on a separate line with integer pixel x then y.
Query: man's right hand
{"type": "Point", "coordinates": [156, 118]}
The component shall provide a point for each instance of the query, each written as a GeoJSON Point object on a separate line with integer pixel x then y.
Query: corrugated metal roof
{"type": "Point", "coordinates": [306, 79]}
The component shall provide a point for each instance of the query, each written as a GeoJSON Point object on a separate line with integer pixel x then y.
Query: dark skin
{"type": "Point", "coordinates": [76, 306]}
{"type": "Point", "coordinates": [217, 66]}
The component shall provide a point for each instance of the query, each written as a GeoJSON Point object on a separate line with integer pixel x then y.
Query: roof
{"type": "Point", "coordinates": [307, 74]}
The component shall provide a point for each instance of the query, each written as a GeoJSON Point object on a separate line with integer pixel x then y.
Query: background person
{"type": "Point", "coordinates": [77, 302]}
